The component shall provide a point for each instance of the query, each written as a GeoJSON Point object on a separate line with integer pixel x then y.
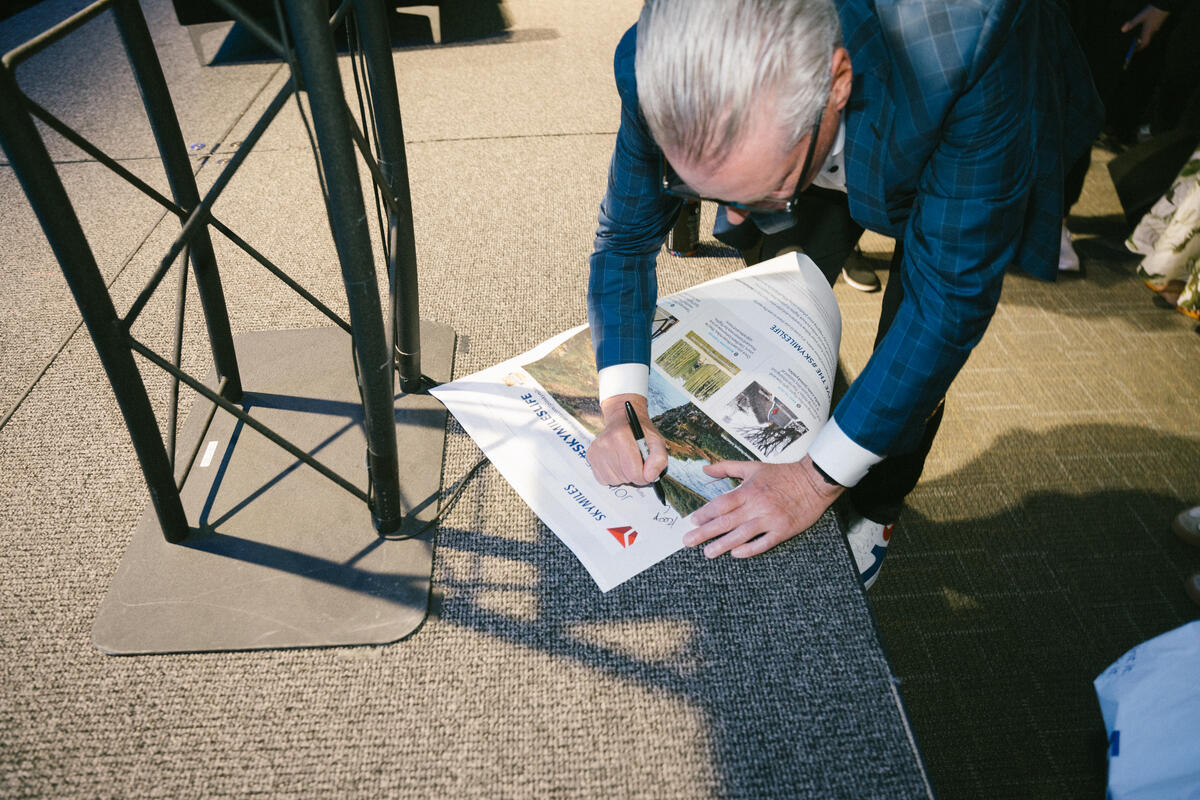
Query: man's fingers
{"type": "Point", "coordinates": [718, 516]}
{"type": "Point", "coordinates": [1133, 23]}
{"type": "Point", "coordinates": [716, 508]}
{"type": "Point", "coordinates": [714, 527]}
{"type": "Point", "coordinates": [631, 463]}
{"type": "Point", "coordinates": [756, 546]}
{"type": "Point", "coordinates": [615, 459]}
{"type": "Point", "coordinates": [656, 458]}
{"type": "Point", "coordinates": [610, 473]}
{"type": "Point", "coordinates": [599, 471]}
{"type": "Point", "coordinates": [738, 536]}
{"type": "Point", "coordinates": [732, 469]}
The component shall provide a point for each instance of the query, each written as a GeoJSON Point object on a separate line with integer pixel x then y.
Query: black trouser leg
{"type": "Point", "coordinates": [880, 495]}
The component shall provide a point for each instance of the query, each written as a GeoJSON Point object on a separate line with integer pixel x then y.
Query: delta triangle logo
{"type": "Point", "coordinates": [625, 535]}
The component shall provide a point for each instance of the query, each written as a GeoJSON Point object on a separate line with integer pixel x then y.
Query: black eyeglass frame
{"type": "Point", "coordinates": [677, 188]}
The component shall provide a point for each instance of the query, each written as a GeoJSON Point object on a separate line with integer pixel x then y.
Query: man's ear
{"type": "Point", "coordinates": [843, 77]}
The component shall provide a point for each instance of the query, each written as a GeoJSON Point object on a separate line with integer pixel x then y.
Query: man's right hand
{"type": "Point", "coordinates": [1149, 19]}
{"type": "Point", "coordinates": [614, 454]}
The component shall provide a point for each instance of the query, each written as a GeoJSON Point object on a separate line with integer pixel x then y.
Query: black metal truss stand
{"type": "Point", "coordinates": [283, 512]}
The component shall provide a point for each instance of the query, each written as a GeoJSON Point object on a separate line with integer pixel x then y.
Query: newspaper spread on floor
{"type": "Point", "coordinates": [742, 369]}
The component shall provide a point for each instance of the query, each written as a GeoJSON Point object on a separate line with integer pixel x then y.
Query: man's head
{"type": "Point", "coordinates": [731, 90]}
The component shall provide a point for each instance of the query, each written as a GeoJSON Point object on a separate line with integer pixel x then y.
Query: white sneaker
{"type": "Point", "coordinates": [868, 541]}
{"type": "Point", "coordinates": [1068, 259]}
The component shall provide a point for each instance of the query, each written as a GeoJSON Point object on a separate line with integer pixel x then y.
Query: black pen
{"type": "Point", "coordinates": [640, 438]}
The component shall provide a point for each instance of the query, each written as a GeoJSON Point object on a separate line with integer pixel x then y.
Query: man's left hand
{"type": "Point", "coordinates": [774, 503]}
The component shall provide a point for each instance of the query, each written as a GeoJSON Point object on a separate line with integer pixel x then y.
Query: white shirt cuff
{"type": "Point", "coordinates": [624, 379]}
{"type": "Point", "coordinates": [841, 457]}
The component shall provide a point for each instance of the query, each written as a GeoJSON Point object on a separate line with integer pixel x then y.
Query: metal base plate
{"type": "Point", "coordinates": [278, 555]}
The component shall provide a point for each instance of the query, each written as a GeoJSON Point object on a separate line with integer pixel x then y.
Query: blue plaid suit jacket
{"type": "Point", "coordinates": [962, 118]}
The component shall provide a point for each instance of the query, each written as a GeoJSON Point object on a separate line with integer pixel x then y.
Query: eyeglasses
{"type": "Point", "coordinates": [673, 185]}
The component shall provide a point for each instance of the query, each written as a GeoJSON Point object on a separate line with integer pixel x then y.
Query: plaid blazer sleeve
{"type": "Point", "coordinates": [635, 217]}
{"type": "Point", "coordinates": [964, 76]}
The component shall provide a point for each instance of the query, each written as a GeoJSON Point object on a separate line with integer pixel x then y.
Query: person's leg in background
{"type": "Point", "coordinates": [1068, 259]}
{"type": "Point", "coordinates": [1176, 94]}
{"type": "Point", "coordinates": [858, 275]}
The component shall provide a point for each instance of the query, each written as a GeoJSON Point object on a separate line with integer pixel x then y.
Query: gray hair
{"type": "Point", "coordinates": [703, 64]}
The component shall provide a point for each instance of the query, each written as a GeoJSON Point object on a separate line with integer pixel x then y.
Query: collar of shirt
{"type": "Point", "coordinates": [833, 171]}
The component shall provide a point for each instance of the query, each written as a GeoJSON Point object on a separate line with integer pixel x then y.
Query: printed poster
{"type": "Point", "coordinates": [742, 369]}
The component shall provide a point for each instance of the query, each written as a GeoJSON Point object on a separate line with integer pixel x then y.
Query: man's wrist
{"type": "Point", "coordinates": [631, 378]}
{"type": "Point", "coordinates": [841, 457]}
{"type": "Point", "coordinates": [820, 482]}
{"type": "Point", "coordinates": [825, 475]}
{"type": "Point", "coordinates": [612, 409]}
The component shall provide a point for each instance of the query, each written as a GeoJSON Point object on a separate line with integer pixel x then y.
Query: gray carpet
{"type": "Point", "coordinates": [1036, 549]}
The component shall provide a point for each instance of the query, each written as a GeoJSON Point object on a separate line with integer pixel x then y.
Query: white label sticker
{"type": "Point", "coordinates": [208, 453]}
